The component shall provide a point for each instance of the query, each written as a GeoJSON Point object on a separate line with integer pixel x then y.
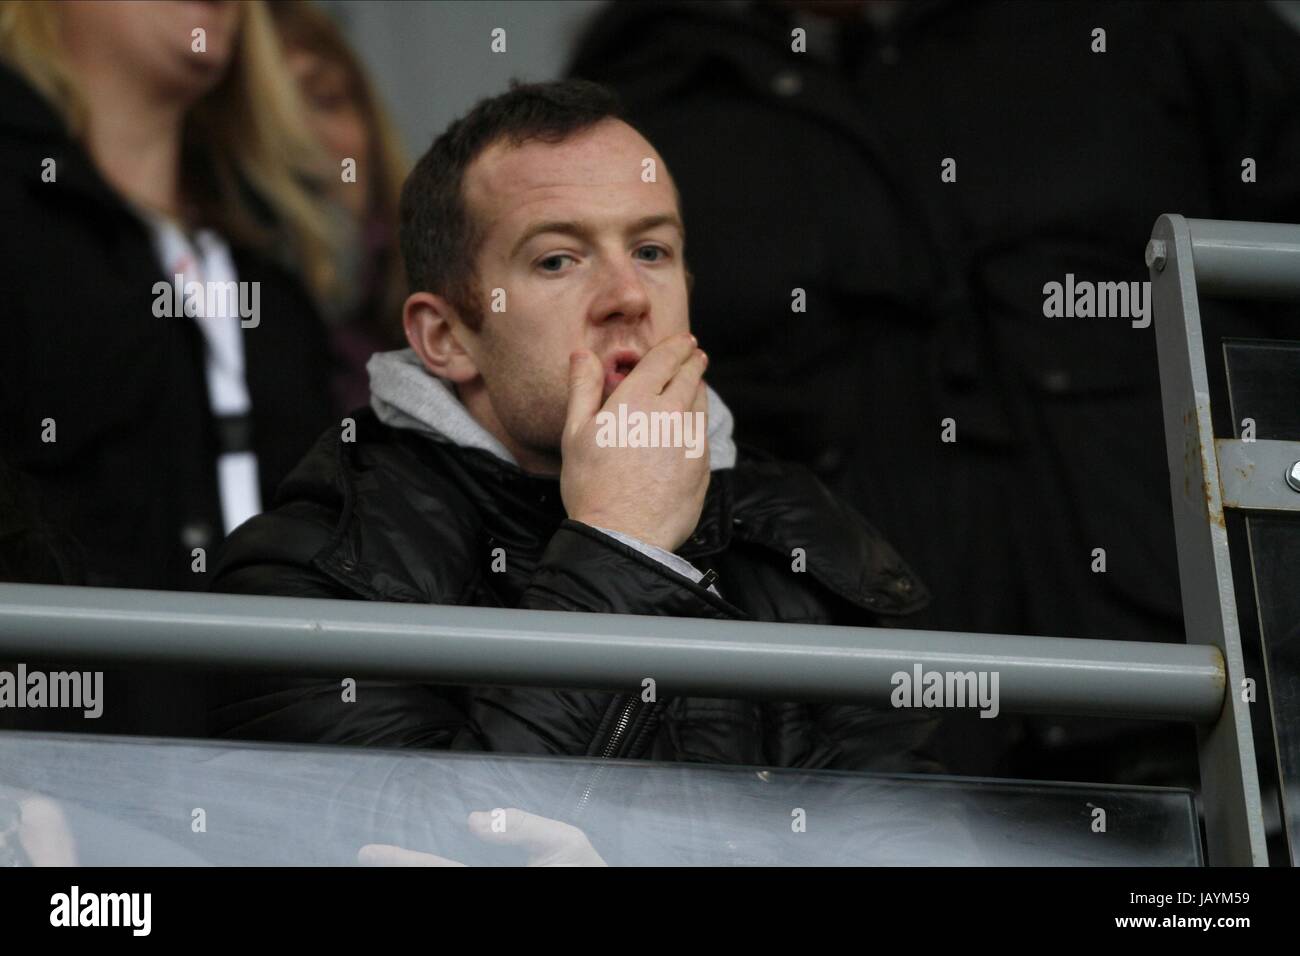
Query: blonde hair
{"type": "Point", "coordinates": [304, 26]}
{"type": "Point", "coordinates": [248, 130]}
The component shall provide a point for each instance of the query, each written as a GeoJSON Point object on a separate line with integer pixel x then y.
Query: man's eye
{"type": "Point", "coordinates": [655, 253]}
{"type": "Point", "coordinates": [554, 263]}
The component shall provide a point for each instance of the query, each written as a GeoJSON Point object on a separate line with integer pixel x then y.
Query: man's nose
{"type": "Point", "coordinates": [622, 295]}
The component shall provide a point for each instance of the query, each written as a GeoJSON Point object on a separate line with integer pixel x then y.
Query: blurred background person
{"type": "Point", "coordinates": [840, 268]}
{"type": "Point", "coordinates": [364, 314]}
{"type": "Point", "coordinates": [140, 142]}
{"type": "Point", "coordinates": [130, 156]}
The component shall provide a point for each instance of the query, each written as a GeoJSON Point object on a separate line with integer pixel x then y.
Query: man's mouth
{"type": "Point", "coordinates": [618, 365]}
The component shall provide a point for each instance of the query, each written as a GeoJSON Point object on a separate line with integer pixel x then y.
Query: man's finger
{"type": "Point", "coordinates": [660, 364]}
{"type": "Point", "coordinates": [682, 389]}
{"type": "Point", "coordinates": [384, 854]}
{"type": "Point", "coordinates": [701, 401]}
{"type": "Point", "coordinates": [586, 387]}
{"type": "Point", "coordinates": [701, 405]}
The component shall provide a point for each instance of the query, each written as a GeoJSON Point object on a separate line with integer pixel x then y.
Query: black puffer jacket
{"type": "Point", "coordinates": [398, 516]}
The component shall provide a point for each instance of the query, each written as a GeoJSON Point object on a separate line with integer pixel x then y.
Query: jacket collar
{"type": "Point", "coordinates": [787, 510]}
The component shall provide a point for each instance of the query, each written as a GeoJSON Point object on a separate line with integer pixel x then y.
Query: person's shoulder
{"type": "Point", "coordinates": [368, 509]}
{"type": "Point", "coordinates": [29, 123]}
{"type": "Point", "coordinates": [38, 153]}
{"type": "Point", "coordinates": [306, 515]}
{"type": "Point", "coordinates": [782, 505]}
{"type": "Point", "coordinates": [766, 485]}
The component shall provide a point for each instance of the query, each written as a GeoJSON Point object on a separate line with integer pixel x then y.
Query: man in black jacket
{"type": "Point", "coordinates": [497, 467]}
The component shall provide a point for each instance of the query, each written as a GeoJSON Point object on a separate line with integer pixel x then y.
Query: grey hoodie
{"type": "Point", "coordinates": [404, 394]}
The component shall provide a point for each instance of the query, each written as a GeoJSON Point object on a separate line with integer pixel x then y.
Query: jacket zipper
{"type": "Point", "coordinates": [607, 752]}
{"type": "Point", "coordinates": [620, 728]}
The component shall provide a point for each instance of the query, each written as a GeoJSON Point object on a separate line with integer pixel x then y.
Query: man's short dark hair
{"type": "Point", "coordinates": [440, 239]}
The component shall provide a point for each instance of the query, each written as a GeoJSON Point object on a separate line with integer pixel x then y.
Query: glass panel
{"type": "Point", "coordinates": [1264, 385]}
{"type": "Point", "coordinates": [134, 801]}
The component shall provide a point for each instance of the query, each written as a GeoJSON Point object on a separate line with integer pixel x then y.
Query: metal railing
{"type": "Point", "coordinates": [461, 645]}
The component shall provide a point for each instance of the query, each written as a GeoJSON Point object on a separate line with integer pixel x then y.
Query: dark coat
{"type": "Point", "coordinates": [132, 474]}
{"type": "Point", "coordinates": [398, 516]}
{"type": "Point", "coordinates": [821, 171]}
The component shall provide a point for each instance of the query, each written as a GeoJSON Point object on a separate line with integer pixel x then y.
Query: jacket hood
{"type": "Point", "coordinates": [405, 395]}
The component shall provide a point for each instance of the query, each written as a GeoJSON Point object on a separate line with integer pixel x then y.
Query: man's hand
{"type": "Point", "coordinates": [548, 842]}
{"type": "Point", "coordinates": [653, 494]}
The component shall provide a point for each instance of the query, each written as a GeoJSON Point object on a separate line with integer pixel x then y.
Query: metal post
{"type": "Point", "coordinates": [1229, 777]}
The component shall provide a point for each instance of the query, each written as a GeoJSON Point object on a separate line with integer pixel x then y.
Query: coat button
{"type": "Point", "coordinates": [347, 564]}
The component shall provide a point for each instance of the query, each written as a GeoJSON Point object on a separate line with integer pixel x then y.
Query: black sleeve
{"type": "Point", "coordinates": [584, 569]}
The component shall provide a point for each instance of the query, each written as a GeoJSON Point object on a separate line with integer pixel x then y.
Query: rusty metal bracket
{"type": "Point", "coordinates": [1259, 475]}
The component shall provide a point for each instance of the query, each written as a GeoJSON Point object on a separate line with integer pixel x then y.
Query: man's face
{"type": "Point", "coordinates": [581, 252]}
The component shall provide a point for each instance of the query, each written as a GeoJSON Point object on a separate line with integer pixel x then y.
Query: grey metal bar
{"type": "Point", "coordinates": [1259, 475]}
{"type": "Point", "coordinates": [460, 645]}
{"type": "Point", "coordinates": [1229, 776]}
{"type": "Point", "coordinates": [1247, 259]}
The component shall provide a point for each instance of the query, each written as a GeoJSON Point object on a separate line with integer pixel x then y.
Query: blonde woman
{"type": "Point", "coordinates": [162, 365]}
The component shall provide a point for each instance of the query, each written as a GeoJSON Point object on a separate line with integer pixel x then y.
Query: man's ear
{"type": "Point", "coordinates": [433, 328]}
